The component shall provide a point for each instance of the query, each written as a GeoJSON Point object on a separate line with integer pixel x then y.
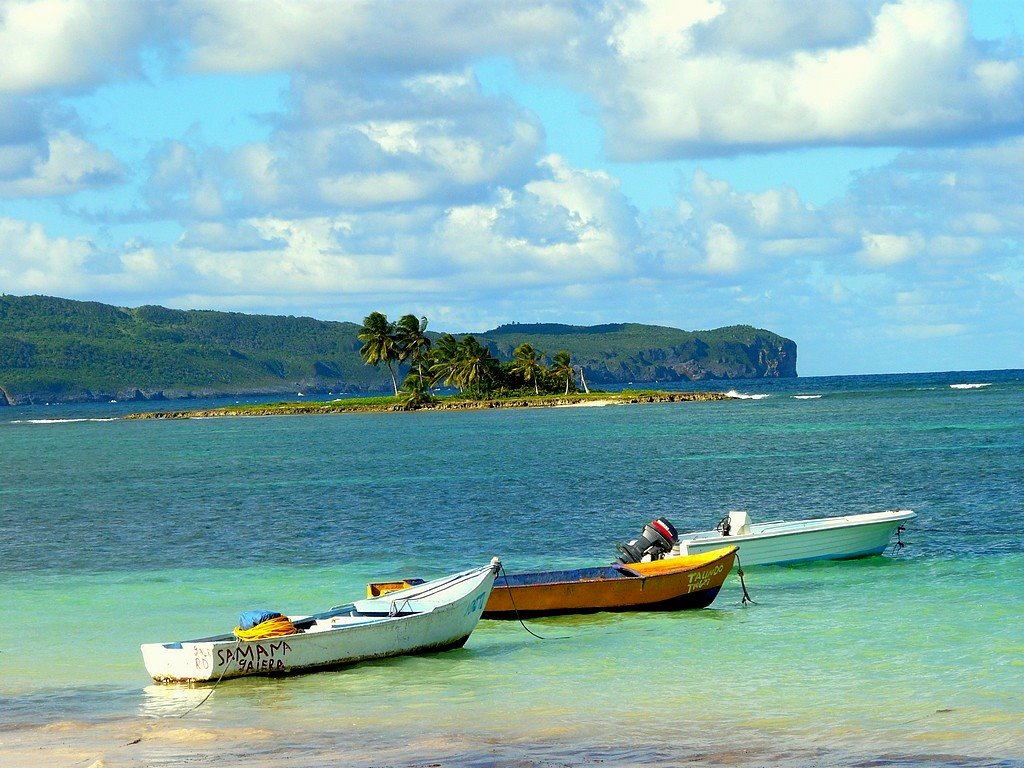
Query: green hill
{"type": "Point", "coordinates": [630, 352]}
{"type": "Point", "coordinates": [54, 349]}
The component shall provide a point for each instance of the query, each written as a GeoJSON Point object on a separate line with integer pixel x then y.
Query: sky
{"type": "Point", "coordinates": [846, 173]}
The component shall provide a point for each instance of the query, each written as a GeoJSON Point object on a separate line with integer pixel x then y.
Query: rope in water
{"type": "Point", "coordinates": [212, 688]}
{"type": "Point", "coordinates": [739, 570]}
{"type": "Point", "coordinates": [899, 543]}
{"type": "Point", "coordinates": [279, 626]}
{"type": "Point", "coordinates": [516, 610]}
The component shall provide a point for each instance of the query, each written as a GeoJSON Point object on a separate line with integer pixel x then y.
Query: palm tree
{"type": "Point", "coordinates": [413, 344]}
{"type": "Point", "coordinates": [583, 381]}
{"type": "Point", "coordinates": [415, 390]}
{"type": "Point", "coordinates": [379, 345]}
{"type": "Point", "coordinates": [562, 368]}
{"type": "Point", "coordinates": [474, 366]}
{"type": "Point", "coordinates": [526, 362]}
{"type": "Point", "coordinates": [441, 360]}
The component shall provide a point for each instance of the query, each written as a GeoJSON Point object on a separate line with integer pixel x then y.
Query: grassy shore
{"type": "Point", "coordinates": [446, 403]}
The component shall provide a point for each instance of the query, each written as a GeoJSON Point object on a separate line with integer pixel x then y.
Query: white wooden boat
{"type": "Point", "coordinates": [797, 541]}
{"type": "Point", "coordinates": [431, 616]}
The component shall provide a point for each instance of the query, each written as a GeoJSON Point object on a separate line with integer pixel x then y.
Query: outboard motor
{"type": "Point", "coordinates": [658, 538]}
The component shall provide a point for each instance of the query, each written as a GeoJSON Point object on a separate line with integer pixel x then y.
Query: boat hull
{"type": "Point", "coordinates": [428, 618]}
{"type": "Point", "coordinates": [640, 586]}
{"type": "Point", "coordinates": [778, 543]}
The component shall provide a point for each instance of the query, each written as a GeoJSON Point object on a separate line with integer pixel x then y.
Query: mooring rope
{"type": "Point", "coordinates": [516, 611]}
{"type": "Point", "coordinates": [739, 572]}
{"type": "Point", "coordinates": [214, 687]}
{"type": "Point", "coordinates": [899, 543]}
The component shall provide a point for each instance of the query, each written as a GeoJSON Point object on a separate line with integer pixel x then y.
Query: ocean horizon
{"type": "Point", "coordinates": [116, 532]}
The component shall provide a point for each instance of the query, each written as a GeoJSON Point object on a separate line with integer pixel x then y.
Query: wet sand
{"type": "Point", "coordinates": [201, 740]}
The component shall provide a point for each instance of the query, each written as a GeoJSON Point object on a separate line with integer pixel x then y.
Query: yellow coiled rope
{"type": "Point", "coordinates": [278, 626]}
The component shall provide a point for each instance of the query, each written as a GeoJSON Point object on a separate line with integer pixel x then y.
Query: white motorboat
{"type": "Point", "coordinates": [797, 541]}
{"type": "Point", "coordinates": [431, 616]}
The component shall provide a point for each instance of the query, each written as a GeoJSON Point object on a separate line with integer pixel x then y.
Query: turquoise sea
{"type": "Point", "coordinates": [114, 533]}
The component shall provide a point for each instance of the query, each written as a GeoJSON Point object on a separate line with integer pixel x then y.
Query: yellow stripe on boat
{"type": "Point", "coordinates": [682, 563]}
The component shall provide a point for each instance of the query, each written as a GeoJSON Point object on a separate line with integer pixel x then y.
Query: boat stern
{"type": "Point", "coordinates": [173, 662]}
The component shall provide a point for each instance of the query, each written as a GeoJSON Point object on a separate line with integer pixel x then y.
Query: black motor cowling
{"type": "Point", "coordinates": [658, 538]}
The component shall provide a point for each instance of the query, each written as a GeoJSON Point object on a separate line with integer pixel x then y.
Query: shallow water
{"type": "Point", "coordinates": [114, 533]}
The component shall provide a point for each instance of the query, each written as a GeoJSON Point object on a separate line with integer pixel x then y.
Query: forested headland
{"type": "Point", "coordinates": [61, 350]}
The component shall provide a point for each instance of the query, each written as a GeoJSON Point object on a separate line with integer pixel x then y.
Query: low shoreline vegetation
{"type": "Point", "coordinates": [464, 363]}
{"type": "Point", "coordinates": [391, 403]}
{"type": "Point", "coordinates": [482, 380]}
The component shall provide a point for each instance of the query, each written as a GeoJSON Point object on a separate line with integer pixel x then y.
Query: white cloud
{"type": "Point", "coordinates": [886, 250]}
{"type": "Point", "coordinates": [926, 331]}
{"type": "Point", "coordinates": [66, 164]}
{"type": "Point", "coordinates": [716, 232]}
{"type": "Point", "coordinates": [724, 250]}
{"type": "Point", "coordinates": [220, 237]}
{"type": "Point", "coordinates": [31, 262]}
{"type": "Point", "coordinates": [769, 29]}
{"type": "Point", "coordinates": [571, 227]}
{"type": "Point", "coordinates": [255, 166]}
{"type": "Point", "coordinates": [382, 36]}
{"type": "Point", "coordinates": [50, 44]}
{"type": "Point", "coordinates": [915, 76]}
{"type": "Point", "coordinates": [180, 182]}
{"type": "Point", "coordinates": [773, 213]}
{"type": "Point", "coordinates": [384, 188]}
{"type": "Point", "coordinates": [980, 223]}
{"type": "Point", "coordinates": [307, 258]}
{"type": "Point", "coordinates": [567, 228]}
{"type": "Point", "coordinates": [422, 140]}
{"type": "Point", "coordinates": [143, 261]}
{"type": "Point", "coordinates": [837, 292]}
{"type": "Point", "coordinates": [952, 248]}
{"type": "Point", "coordinates": [18, 161]}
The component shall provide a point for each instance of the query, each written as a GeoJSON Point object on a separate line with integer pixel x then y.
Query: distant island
{"type": "Point", "coordinates": [61, 350]}
{"type": "Point", "coordinates": [447, 403]}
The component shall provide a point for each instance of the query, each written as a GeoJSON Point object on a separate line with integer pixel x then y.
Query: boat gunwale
{"type": "Point", "coordinates": [230, 638]}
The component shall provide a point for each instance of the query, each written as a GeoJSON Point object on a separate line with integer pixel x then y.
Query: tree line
{"type": "Point", "coordinates": [462, 363]}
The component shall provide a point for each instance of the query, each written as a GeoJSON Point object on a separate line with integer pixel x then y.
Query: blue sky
{"type": "Point", "coordinates": [848, 173]}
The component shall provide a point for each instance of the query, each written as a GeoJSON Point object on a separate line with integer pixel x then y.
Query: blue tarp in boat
{"type": "Point", "coordinates": [249, 619]}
